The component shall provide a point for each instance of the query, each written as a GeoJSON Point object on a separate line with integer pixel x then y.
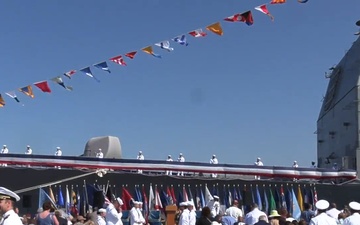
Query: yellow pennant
{"type": "Point", "coordinates": [216, 28]}
{"type": "Point", "coordinates": [148, 50]}
{"type": "Point", "coordinates": [2, 101]}
{"type": "Point", "coordinates": [27, 90]}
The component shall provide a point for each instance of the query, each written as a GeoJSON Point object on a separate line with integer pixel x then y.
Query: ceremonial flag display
{"type": "Point", "coordinates": [118, 60]}
{"type": "Point", "coordinates": [150, 51]}
{"type": "Point", "coordinates": [216, 28]}
{"type": "Point", "coordinates": [43, 85]}
{"type": "Point", "coordinates": [27, 90]}
{"type": "Point", "coordinates": [103, 66]}
{"type": "Point", "coordinates": [197, 33]}
{"type": "Point", "coordinates": [263, 9]}
{"type": "Point", "coordinates": [181, 40]}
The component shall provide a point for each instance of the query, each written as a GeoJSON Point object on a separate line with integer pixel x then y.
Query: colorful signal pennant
{"type": "Point", "coordinates": [277, 1]}
{"type": "Point", "coordinates": [103, 66]}
{"type": "Point", "coordinates": [12, 95]}
{"type": "Point", "coordinates": [150, 51]}
{"type": "Point", "coordinates": [60, 81]}
{"type": "Point", "coordinates": [198, 33]}
{"type": "Point", "coordinates": [131, 55]}
{"type": "Point", "coordinates": [263, 9]}
{"type": "Point", "coordinates": [243, 17]}
{"type": "Point", "coordinates": [181, 40]}
{"type": "Point", "coordinates": [27, 91]}
{"type": "Point", "coordinates": [43, 86]}
{"type": "Point", "coordinates": [88, 72]}
{"type": "Point", "coordinates": [118, 60]}
{"type": "Point", "coordinates": [216, 28]}
{"type": "Point", "coordinates": [165, 45]}
{"type": "Point", "coordinates": [2, 101]}
{"type": "Point", "coordinates": [70, 73]}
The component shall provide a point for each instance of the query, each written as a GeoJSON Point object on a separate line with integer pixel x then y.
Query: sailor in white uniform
{"type": "Point", "coordinates": [192, 213]}
{"type": "Point", "coordinates": [101, 216]}
{"type": "Point", "coordinates": [215, 209]}
{"type": "Point", "coordinates": [214, 160]}
{"type": "Point", "coordinates": [135, 215]}
{"type": "Point", "coordinates": [28, 150]}
{"type": "Point", "coordinates": [354, 219]}
{"type": "Point", "coordinates": [140, 208]}
{"type": "Point", "coordinates": [169, 159]}
{"type": "Point", "coordinates": [185, 215]}
{"type": "Point", "coordinates": [322, 218]}
{"type": "Point", "coordinates": [140, 156]}
{"type": "Point", "coordinates": [181, 159]}
{"type": "Point", "coordinates": [295, 164]}
{"type": "Point", "coordinates": [114, 213]}
{"type": "Point", "coordinates": [7, 202]}
{"type": "Point", "coordinates": [100, 154]}
{"type": "Point", "coordinates": [58, 152]}
{"type": "Point", "coordinates": [258, 163]}
{"type": "Point", "coordinates": [4, 150]}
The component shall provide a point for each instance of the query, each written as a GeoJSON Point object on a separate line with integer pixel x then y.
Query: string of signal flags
{"type": "Point", "coordinates": [215, 28]}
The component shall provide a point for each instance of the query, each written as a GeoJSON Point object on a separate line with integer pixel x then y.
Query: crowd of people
{"type": "Point", "coordinates": [212, 214]}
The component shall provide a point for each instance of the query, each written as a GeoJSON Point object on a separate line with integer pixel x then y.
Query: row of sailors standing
{"type": "Point", "coordinates": [187, 214]}
{"type": "Point", "coordinates": [29, 151]}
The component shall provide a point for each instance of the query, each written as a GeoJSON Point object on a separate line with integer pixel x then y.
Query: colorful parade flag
{"type": "Point", "coordinates": [272, 203]}
{"type": "Point", "coordinates": [215, 28]}
{"type": "Point", "coordinates": [27, 90]}
{"type": "Point", "coordinates": [263, 9]}
{"type": "Point", "coordinates": [2, 101]}
{"type": "Point", "coordinates": [12, 95]}
{"type": "Point", "coordinates": [282, 197]}
{"type": "Point", "coordinates": [150, 51]}
{"type": "Point", "coordinates": [243, 17]}
{"type": "Point", "coordinates": [145, 204]}
{"type": "Point", "coordinates": [88, 72]}
{"type": "Point", "coordinates": [258, 198]}
{"type": "Point", "coordinates": [300, 199]}
{"type": "Point", "coordinates": [266, 203]}
{"type": "Point", "coordinates": [165, 45]}
{"type": "Point", "coordinates": [157, 203]}
{"type": "Point", "coordinates": [131, 55]}
{"type": "Point", "coordinates": [151, 198]}
{"type": "Point", "coordinates": [198, 33]}
{"type": "Point", "coordinates": [126, 198]}
{"type": "Point", "coordinates": [51, 194]}
{"type": "Point", "coordinates": [118, 60]}
{"type": "Point", "coordinates": [296, 212]}
{"type": "Point", "coordinates": [185, 195]}
{"type": "Point", "coordinates": [181, 40]}
{"type": "Point", "coordinates": [103, 66]}
{"type": "Point", "coordinates": [208, 196]}
{"type": "Point", "coordinates": [70, 73]}
{"type": "Point", "coordinates": [60, 81]}
{"type": "Point", "coordinates": [277, 1]}
{"type": "Point", "coordinates": [43, 86]}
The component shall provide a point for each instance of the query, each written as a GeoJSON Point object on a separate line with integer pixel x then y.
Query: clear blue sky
{"type": "Point", "coordinates": [256, 91]}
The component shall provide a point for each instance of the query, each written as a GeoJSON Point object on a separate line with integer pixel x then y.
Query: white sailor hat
{"type": "Point", "coordinates": [28, 146]}
{"type": "Point", "coordinates": [214, 156]}
{"type": "Point", "coordinates": [4, 146]}
{"type": "Point", "coordinates": [189, 203]}
{"type": "Point", "coordinates": [140, 203]}
{"type": "Point", "coordinates": [140, 152]}
{"type": "Point", "coordinates": [169, 156]}
{"type": "Point", "coordinates": [322, 204]}
{"type": "Point", "coordinates": [180, 154]}
{"type": "Point", "coordinates": [295, 161]}
{"type": "Point", "coordinates": [119, 201]}
{"type": "Point", "coordinates": [216, 197]}
{"type": "Point", "coordinates": [183, 204]}
{"type": "Point", "coordinates": [258, 158]}
{"type": "Point", "coordinates": [354, 206]}
{"type": "Point", "coordinates": [57, 148]}
{"type": "Point", "coordinates": [102, 210]}
{"type": "Point", "coordinates": [7, 194]}
{"type": "Point", "coordinates": [100, 149]}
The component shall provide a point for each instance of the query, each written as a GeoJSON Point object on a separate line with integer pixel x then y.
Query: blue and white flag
{"type": "Point", "coordinates": [165, 45]}
{"type": "Point", "coordinates": [44, 197]}
{"type": "Point", "coordinates": [88, 72]}
{"type": "Point", "coordinates": [103, 66]}
{"type": "Point", "coordinates": [296, 212]}
{"type": "Point", "coordinates": [181, 40]}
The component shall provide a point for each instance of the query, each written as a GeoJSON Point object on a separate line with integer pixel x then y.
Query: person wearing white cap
{"type": "Point", "coordinates": [101, 216]}
{"type": "Point", "coordinates": [214, 160]}
{"type": "Point", "coordinates": [192, 213]}
{"type": "Point", "coordinates": [354, 219]}
{"type": "Point", "coordinates": [140, 156]}
{"type": "Point", "coordinates": [4, 150]}
{"type": "Point", "coordinates": [28, 150]}
{"type": "Point", "coordinates": [139, 209]}
{"type": "Point", "coordinates": [100, 154]}
{"type": "Point", "coordinates": [136, 217]}
{"type": "Point", "coordinates": [185, 215]}
{"type": "Point", "coordinates": [7, 204]}
{"type": "Point", "coordinates": [322, 218]}
{"type": "Point", "coordinates": [295, 164]}
{"type": "Point", "coordinates": [258, 163]}
{"type": "Point", "coordinates": [333, 211]}
{"type": "Point", "coordinates": [58, 151]}
{"type": "Point", "coordinates": [215, 208]}
{"type": "Point", "coordinates": [181, 159]}
{"type": "Point", "coordinates": [169, 159]}
{"type": "Point", "coordinates": [113, 212]}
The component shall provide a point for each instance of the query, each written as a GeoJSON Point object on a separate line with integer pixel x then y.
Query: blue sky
{"type": "Point", "coordinates": [255, 91]}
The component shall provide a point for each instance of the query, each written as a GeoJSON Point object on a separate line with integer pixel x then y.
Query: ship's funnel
{"type": "Point", "coordinates": [109, 145]}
